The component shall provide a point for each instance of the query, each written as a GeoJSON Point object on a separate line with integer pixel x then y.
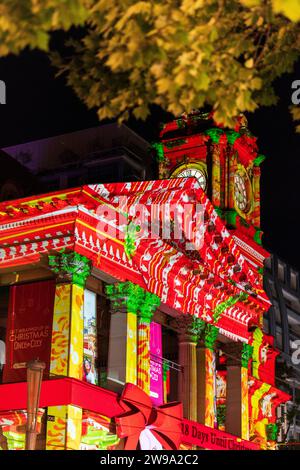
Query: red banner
{"type": "Point", "coordinates": [208, 438]}
{"type": "Point", "coordinates": [29, 328]}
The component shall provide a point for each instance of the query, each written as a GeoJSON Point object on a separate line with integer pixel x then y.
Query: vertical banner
{"type": "Point", "coordinates": [143, 355]}
{"type": "Point", "coordinates": [131, 349]}
{"type": "Point", "coordinates": [90, 337]}
{"type": "Point", "coordinates": [156, 364]}
{"type": "Point", "coordinates": [29, 328]}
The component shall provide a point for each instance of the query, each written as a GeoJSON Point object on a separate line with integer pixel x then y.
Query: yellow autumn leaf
{"type": "Point", "coordinates": [190, 6]}
{"type": "Point", "coordinates": [289, 8]}
{"type": "Point", "coordinates": [250, 3]}
{"type": "Point", "coordinates": [249, 63]}
{"type": "Point", "coordinates": [164, 84]}
{"type": "Point", "coordinates": [256, 83]}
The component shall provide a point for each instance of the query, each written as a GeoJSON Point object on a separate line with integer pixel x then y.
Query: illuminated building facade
{"type": "Point", "coordinates": [145, 301]}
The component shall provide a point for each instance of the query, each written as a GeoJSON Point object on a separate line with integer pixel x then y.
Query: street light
{"type": "Point", "coordinates": [34, 380]}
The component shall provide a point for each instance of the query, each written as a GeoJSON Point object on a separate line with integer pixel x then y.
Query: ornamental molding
{"type": "Point", "coordinates": [249, 249]}
{"type": "Point", "coordinates": [72, 267]}
{"type": "Point", "coordinates": [43, 218]}
{"type": "Point", "coordinates": [21, 254]}
{"type": "Point", "coordinates": [134, 298]}
{"type": "Point", "coordinates": [211, 333]}
{"type": "Point", "coordinates": [232, 336]}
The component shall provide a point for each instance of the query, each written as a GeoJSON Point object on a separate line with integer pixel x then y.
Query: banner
{"type": "Point", "coordinates": [156, 364]}
{"type": "Point", "coordinates": [208, 438]}
{"type": "Point", "coordinates": [29, 327]}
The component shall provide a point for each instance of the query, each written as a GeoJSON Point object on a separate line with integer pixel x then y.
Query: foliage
{"type": "Point", "coordinates": [30, 22]}
{"type": "Point", "coordinates": [179, 54]}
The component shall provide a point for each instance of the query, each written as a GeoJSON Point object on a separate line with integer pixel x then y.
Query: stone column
{"type": "Point", "coordinates": [125, 299]}
{"type": "Point", "coordinates": [72, 270]}
{"type": "Point", "coordinates": [188, 331]}
{"type": "Point", "coordinates": [129, 346]}
{"type": "Point", "coordinates": [206, 383]}
{"type": "Point", "coordinates": [149, 304]}
{"type": "Point", "coordinates": [237, 406]}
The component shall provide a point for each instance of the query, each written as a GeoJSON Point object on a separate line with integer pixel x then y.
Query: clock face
{"type": "Point", "coordinates": [191, 171]}
{"type": "Point", "coordinates": [240, 191]}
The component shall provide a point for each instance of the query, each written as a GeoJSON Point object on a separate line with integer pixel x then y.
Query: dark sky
{"type": "Point", "coordinates": [40, 105]}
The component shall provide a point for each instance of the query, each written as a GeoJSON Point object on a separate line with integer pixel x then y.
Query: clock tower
{"type": "Point", "coordinates": [226, 163]}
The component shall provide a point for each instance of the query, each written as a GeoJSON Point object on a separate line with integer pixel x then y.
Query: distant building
{"type": "Point", "coordinates": [283, 322]}
{"type": "Point", "coordinates": [15, 180]}
{"type": "Point", "coordinates": [102, 154]}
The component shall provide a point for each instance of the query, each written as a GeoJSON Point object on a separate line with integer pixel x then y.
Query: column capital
{"type": "Point", "coordinates": [189, 327]}
{"type": "Point", "coordinates": [134, 298]}
{"type": "Point", "coordinates": [210, 336]}
{"type": "Point", "coordinates": [247, 351]}
{"type": "Point", "coordinates": [272, 431]}
{"type": "Point", "coordinates": [124, 294]}
{"type": "Point", "coordinates": [149, 304]}
{"type": "Point", "coordinates": [70, 267]}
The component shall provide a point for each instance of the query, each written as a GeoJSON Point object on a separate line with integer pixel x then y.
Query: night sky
{"type": "Point", "coordinates": [40, 105]}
